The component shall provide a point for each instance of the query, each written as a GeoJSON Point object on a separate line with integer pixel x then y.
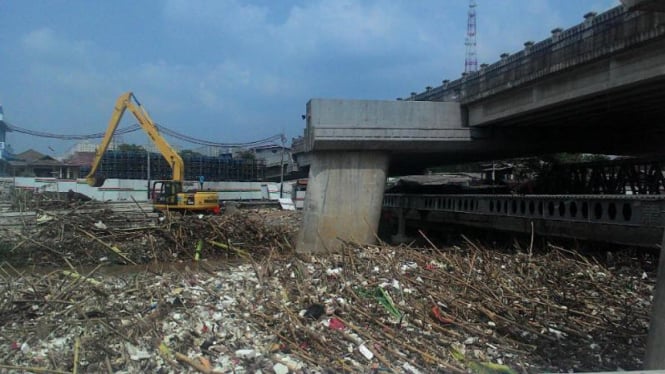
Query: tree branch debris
{"type": "Point", "coordinates": [251, 304]}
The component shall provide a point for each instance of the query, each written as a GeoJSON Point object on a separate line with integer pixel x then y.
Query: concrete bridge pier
{"type": "Point", "coordinates": [347, 145]}
{"type": "Point", "coordinates": [655, 356]}
{"type": "Point", "coordinates": [344, 199]}
{"type": "Point", "coordinates": [400, 236]}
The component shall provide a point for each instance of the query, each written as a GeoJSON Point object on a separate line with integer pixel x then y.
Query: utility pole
{"type": "Point", "coordinates": [147, 153]}
{"type": "Point", "coordinates": [281, 168]}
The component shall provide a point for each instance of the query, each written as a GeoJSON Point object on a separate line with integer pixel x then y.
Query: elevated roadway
{"type": "Point", "coordinates": [597, 87]}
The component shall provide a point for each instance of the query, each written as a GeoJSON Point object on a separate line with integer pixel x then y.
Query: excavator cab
{"type": "Point", "coordinates": [166, 192]}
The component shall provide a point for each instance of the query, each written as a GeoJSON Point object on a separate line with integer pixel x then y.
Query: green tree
{"type": "Point", "coordinates": [185, 153]}
{"type": "Point", "coordinates": [566, 158]}
{"type": "Point", "coordinates": [131, 148]}
{"type": "Point", "coordinates": [246, 154]}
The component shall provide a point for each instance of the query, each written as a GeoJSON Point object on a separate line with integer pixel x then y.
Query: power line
{"type": "Point", "coordinates": [42, 134]}
{"type": "Point", "coordinates": [135, 127]}
{"type": "Point", "coordinates": [268, 140]}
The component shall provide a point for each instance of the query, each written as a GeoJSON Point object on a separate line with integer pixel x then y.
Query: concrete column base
{"type": "Point", "coordinates": [344, 199]}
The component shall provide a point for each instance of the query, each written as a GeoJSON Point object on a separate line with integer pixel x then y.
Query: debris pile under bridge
{"type": "Point", "coordinates": [250, 303]}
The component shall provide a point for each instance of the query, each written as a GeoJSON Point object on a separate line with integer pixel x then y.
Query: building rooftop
{"type": "Point", "coordinates": [81, 158]}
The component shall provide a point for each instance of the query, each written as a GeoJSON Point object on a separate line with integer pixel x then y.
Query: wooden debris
{"type": "Point", "coordinates": [243, 305]}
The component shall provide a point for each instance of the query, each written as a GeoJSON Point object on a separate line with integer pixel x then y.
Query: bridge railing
{"type": "Point", "coordinates": [623, 210]}
{"type": "Point", "coordinates": [617, 219]}
{"type": "Point", "coordinates": [598, 36]}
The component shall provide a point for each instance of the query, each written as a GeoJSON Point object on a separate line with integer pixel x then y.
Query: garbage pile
{"type": "Point", "coordinates": [28, 199]}
{"type": "Point", "coordinates": [83, 236]}
{"type": "Point", "coordinates": [462, 308]}
{"type": "Point", "coordinates": [366, 309]}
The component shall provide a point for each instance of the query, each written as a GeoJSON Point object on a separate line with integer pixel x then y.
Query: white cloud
{"type": "Point", "coordinates": [224, 16]}
{"type": "Point", "coordinates": [238, 63]}
{"type": "Point", "coordinates": [340, 24]}
{"type": "Point", "coordinates": [40, 40]}
{"type": "Point", "coordinates": [44, 44]}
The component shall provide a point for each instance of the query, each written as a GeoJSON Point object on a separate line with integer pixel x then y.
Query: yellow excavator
{"type": "Point", "coordinates": [166, 195]}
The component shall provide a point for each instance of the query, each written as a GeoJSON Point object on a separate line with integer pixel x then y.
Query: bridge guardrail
{"type": "Point", "coordinates": [599, 35]}
{"type": "Point", "coordinates": [634, 210]}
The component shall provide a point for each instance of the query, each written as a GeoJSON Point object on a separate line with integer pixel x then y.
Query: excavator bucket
{"type": "Point", "coordinates": [96, 181]}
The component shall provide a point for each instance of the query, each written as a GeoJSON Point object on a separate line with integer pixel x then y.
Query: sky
{"type": "Point", "coordinates": [233, 71]}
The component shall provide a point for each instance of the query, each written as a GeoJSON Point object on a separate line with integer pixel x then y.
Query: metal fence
{"type": "Point", "coordinates": [134, 165]}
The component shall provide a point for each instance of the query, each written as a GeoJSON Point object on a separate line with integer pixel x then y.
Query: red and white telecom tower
{"type": "Point", "coordinates": [471, 61]}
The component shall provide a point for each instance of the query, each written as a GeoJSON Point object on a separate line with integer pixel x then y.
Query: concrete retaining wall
{"type": "Point", "coordinates": [126, 189]}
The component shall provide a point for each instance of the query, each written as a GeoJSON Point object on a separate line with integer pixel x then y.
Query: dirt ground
{"type": "Point", "coordinates": [97, 288]}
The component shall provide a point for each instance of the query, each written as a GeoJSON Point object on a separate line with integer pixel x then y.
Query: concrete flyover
{"type": "Point", "coordinates": [597, 87]}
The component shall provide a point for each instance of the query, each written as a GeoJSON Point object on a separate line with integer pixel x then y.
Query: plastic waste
{"type": "Point", "coordinates": [365, 352]}
{"type": "Point", "coordinates": [314, 311]}
{"type": "Point", "coordinates": [280, 368]}
{"type": "Point", "coordinates": [336, 324]}
{"type": "Point", "coordinates": [245, 353]}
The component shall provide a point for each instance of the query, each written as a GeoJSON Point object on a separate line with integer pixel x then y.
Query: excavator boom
{"type": "Point", "coordinates": [128, 101]}
{"type": "Point", "coordinates": [165, 194]}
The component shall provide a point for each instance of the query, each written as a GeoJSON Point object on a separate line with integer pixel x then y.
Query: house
{"type": "Point", "coordinates": [80, 163]}
{"type": "Point", "coordinates": [274, 156]}
{"type": "Point", "coordinates": [34, 164]}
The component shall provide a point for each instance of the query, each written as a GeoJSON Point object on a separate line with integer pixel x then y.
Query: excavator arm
{"type": "Point", "coordinates": [128, 101]}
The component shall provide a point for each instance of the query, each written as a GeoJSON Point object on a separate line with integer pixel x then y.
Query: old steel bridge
{"type": "Point", "coordinates": [621, 219]}
{"type": "Point", "coordinates": [620, 201]}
